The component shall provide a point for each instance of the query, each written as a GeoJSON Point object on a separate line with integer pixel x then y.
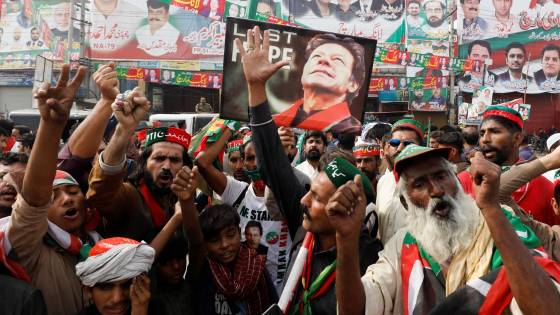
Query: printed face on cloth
{"type": "Point", "coordinates": [497, 143]}
{"type": "Point", "coordinates": [441, 216]}
{"type": "Point", "coordinates": [166, 159]}
{"type": "Point", "coordinates": [323, 187]}
{"type": "Point", "coordinates": [108, 271]}
{"type": "Point", "coordinates": [68, 209]}
{"type": "Point", "coordinates": [367, 156]}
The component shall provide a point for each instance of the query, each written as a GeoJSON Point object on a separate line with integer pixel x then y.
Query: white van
{"type": "Point", "coordinates": [194, 121]}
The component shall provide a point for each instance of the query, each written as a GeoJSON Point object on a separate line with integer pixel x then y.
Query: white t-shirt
{"type": "Point", "coordinates": [275, 234]}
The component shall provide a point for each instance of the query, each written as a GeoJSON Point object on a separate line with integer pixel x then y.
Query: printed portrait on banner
{"type": "Point", "coordinates": [332, 68]}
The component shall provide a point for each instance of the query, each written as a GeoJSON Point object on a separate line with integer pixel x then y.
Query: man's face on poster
{"type": "Point", "coordinates": [502, 7]}
{"type": "Point", "coordinates": [412, 57]}
{"type": "Point", "coordinates": [480, 53]}
{"type": "Point", "coordinates": [27, 56]}
{"type": "Point", "coordinates": [233, 10]}
{"type": "Point", "coordinates": [444, 80]}
{"type": "Point", "coordinates": [17, 33]}
{"type": "Point", "coordinates": [434, 13]}
{"type": "Point", "coordinates": [216, 79]}
{"type": "Point", "coordinates": [481, 107]}
{"type": "Point", "coordinates": [403, 82]}
{"type": "Point", "coordinates": [152, 73]}
{"type": "Point", "coordinates": [34, 35]}
{"type": "Point", "coordinates": [470, 8]}
{"type": "Point", "coordinates": [515, 59]}
{"type": "Point", "coordinates": [166, 75]}
{"type": "Point", "coordinates": [253, 236]}
{"type": "Point", "coordinates": [344, 3]}
{"type": "Point", "coordinates": [391, 82]}
{"type": "Point", "coordinates": [551, 63]}
{"type": "Point", "coordinates": [436, 92]}
{"type": "Point", "coordinates": [9, 57]}
{"type": "Point", "coordinates": [329, 69]}
{"type": "Point", "coordinates": [413, 10]}
{"type": "Point", "coordinates": [418, 93]}
{"type": "Point", "coordinates": [487, 93]}
{"type": "Point", "coordinates": [214, 5]}
{"type": "Point", "coordinates": [157, 17]}
{"type": "Point", "coordinates": [62, 17]}
{"type": "Point", "coordinates": [242, 14]}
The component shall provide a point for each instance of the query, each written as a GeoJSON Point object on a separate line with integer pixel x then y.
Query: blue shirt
{"type": "Point", "coordinates": [526, 153]}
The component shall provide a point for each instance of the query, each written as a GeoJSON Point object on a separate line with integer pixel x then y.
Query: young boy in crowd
{"type": "Point", "coordinates": [232, 278]}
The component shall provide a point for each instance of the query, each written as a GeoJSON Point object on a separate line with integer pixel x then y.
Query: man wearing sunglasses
{"type": "Point", "coordinates": [392, 214]}
{"type": "Point", "coordinates": [515, 60]}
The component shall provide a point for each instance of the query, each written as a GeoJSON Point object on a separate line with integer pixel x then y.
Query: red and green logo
{"type": "Point", "coordinates": [272, 237]}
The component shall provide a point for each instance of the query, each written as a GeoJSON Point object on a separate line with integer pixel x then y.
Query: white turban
{"type": "Point", "coordinates": [115, 259]}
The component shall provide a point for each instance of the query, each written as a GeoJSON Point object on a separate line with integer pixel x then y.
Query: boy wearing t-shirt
{"type": "Point", "coordinates": [232, 278]}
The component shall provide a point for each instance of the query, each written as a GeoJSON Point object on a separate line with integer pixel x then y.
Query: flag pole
{"type": "Point", "coordinates": [429, 131]}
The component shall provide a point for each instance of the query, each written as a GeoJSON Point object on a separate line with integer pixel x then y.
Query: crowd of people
{"type": "Point", "coordinates": [271, 219]}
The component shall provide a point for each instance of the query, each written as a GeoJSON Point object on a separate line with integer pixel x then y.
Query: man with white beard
{"type": "Point", "coordinates": [444, 261]}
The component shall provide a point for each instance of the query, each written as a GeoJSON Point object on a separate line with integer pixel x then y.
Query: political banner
{"type": "Point", "coordinates": [382, 20]}
{"type": "Point", "coordinates": [434, 99]}
{"type": "Point", "coordinates": [472, 114]}
{"type": "Point", "coordinates": [16, 78]}
{"type": "Point", "coordinates": [234, 10]}
{"type": "Point", "coordinates": [166, 76]}
{"type": "Point", "coordinates": [483, 94]}
{"type": "Point", "coordinates": [521, 37]}
{"type": "Point", "coordinates": [324, 87]}
{"type": "Point", "coordinates": [181, 65]}
{"type": "Point", "coordinates": [153, 30]}
{"type": "Point", "coordinates": [34, 29]}
{"type": "Point", "coordinates": [404, 84]}
{"type": "Point", "coordinates": [426, 20]}
{"type": "Point", "coordinates": [212, 9]}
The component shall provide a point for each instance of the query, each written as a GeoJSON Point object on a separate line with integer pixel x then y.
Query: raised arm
{"type": "Point", "coordinates": [205, 162]}
{"type": "Point", "coordinates": [86, 139]}
{"type": "Point", "coordinates": [161, 240]}
{"type": "Point", "coordinates": [516, 257]}
{"type": "Point", "coordinates": [54, 106]}
{"type": "Point", "coordinates": [273, 164]}
{"type": "Point", "coordinates": [184, 187]}
{"type": "Point", "coordinates": [129, 115]}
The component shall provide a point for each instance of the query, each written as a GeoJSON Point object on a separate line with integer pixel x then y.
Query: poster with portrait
{"type": "Point", "coordinates": [382, 20]}
{"type": "Point", "coordinates": [26, 34]}
{"type": "Point", "coordinates": [483, 94]}
{"type": "Point", "coordinates": [292, 91]}
{"type": "Point", "coordinates": [426, 20]}
{"type": "Point", "coordinates": [153, 30]}
{"type": "Point", "coordinates": [521, 37]}
{"type": "Point", "coordinates": [434, 99]}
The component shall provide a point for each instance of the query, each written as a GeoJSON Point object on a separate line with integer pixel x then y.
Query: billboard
{"type": "Point", "coordinates": [136, 30]}
{"type": "Point", "coordinates": [434, 99]}
{"type": "Point", "coordinates": [521, 37]}
{"type": "Point", "coordinates": [324, 87]}
{"type": "Point", "coordinates": [35, 30]}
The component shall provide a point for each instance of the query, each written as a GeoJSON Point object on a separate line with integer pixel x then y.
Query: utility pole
{"type": "Point", "coordinates": [71, 31]}
{"type": "Point", "coordinates": [451, 15]}
{"type": "Point", "coordinates": [83, 61]}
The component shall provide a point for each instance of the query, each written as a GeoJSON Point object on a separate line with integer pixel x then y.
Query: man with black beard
{"type": "Point", "coordinates": [10, 162]}
{"type": "Point", "coordinates": [392, 215]}
{"type": "Point", "coordinates": [453, 256]}
{"type": "Point", "coordinates": [437, 26]}
{"type": "Point", "coordinates": [315, 143]}
{"type": "Point", "coordinates": [500, 138]}
{"type": "Point", "coordinates": [146, 202]}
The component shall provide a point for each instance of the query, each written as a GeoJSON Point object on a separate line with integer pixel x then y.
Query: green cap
{"type": "Point", "coordinates": [557, 179]}
{"type": "Point", "coordinates": [412, 124]}
{"type": "Point", "coordinates": [341, 171]}
{"type": "Point", "coordinates": [412, 151]}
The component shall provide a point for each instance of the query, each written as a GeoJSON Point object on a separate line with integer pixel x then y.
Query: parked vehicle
{"type": "Point", "coordinates": [194, 121]}
{"type": "Point", "coordinates": [32, 117]}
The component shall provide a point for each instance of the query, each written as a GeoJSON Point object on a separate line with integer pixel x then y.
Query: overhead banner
{"type": "Point", "coordinates": [34, 29]}
{"type": "Point", "coordinates": [165, 76]}
{"type": "Point", "coordinates": [404, 84]}
{"type": "Point", "coordinates": [521, 37]}
{"type": "Point", "coordinates": [212, 9]}
{"type": "Point", "coordinates": [134, 31]}
{"type": "Point", "coordinates": [434, 99]}
{"type": "Point", "coordinates": [382, 20]}
{"type": "Point", "coordinates": [16, 78]}
{"type": "Point", "coordinates": [305, 80]}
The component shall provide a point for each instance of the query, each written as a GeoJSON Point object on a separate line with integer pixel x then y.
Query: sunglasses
{"type": "Point", "coordinates": [396, 142]}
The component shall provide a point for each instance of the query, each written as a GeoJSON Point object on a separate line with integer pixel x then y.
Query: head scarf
{"type": "Point", "coordinates": [170, 134]}
{"type": "Point", "coordinates": [115, 259]}
{"type": "Point", "coordinates": [505, 112]}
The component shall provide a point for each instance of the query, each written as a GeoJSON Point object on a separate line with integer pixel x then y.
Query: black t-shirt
{"type": "Point", "coordinates": [156, 307]}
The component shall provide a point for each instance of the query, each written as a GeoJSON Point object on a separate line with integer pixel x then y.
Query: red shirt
{"type": "Point", "coordinates": [9, 144]}
{"type": "Point", "coordinates": [534, 197]}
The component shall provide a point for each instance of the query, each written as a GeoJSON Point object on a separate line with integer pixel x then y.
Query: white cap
{"type": "Point", "coordinates": [552, 140]}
